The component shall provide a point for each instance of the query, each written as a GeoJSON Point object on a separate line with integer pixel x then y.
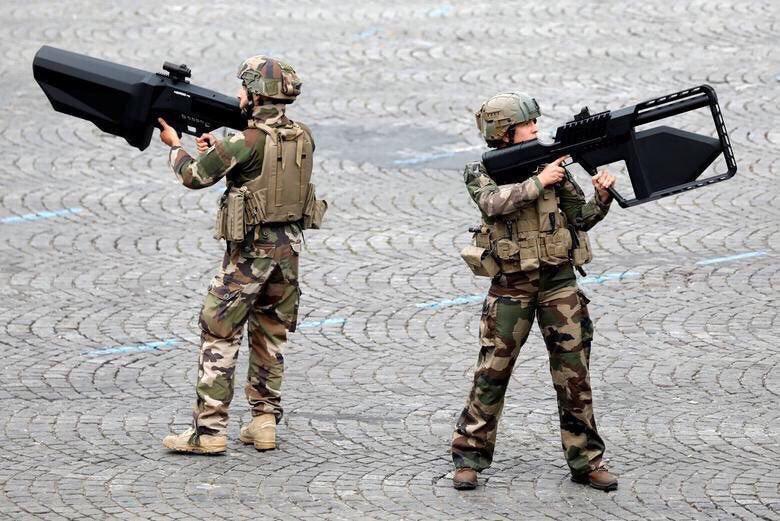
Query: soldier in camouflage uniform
{"type": "Point", "coordinates": [533, 235]}
{"type": "Point", "coordinates": [268, 201]}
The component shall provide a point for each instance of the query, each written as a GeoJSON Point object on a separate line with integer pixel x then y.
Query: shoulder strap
{"type": "Point", "coordinates": [268, 130]}
{"type": "Point", "coordinates": [293, 134]}
{"type": "Point", "coordinates": [272, 153]}
{"type": "Point", "coordinates": [308, 133]}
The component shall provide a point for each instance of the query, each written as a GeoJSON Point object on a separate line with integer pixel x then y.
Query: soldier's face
{"type": "Point", "coordinates": [243, 98]}
{"type": "Point", "coordinates": [525, 131]}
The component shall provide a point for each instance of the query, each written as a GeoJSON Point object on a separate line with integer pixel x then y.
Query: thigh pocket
{"type": "Point", "coordinates": [288, 261]}
{"type": "Point", "coordinates": [258, 250]}
{"type": "Point", "coordinates": [222, 292]}
{"type": "Point", "coordinates": [286, 308]}
{"type": "Point", "coordinates": [223, 311]}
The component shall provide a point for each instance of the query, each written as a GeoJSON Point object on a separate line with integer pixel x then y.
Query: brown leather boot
{"type": "Point", "coordinates": [465, 479]}
{"type": "Point", "coordinates": [599, 478]}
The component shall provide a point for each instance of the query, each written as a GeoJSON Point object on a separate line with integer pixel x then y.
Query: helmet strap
{"type": "Point", "coordinates": [510, 134]}
{"type": "Point", "coordinates": [246, 112]}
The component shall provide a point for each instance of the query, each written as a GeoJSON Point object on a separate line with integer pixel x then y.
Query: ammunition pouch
{"type": "Point", "coordinates": [507, 249]}
{"type": "Point", "coordinates": [480, 261]}
{"type": "Point", "coordinates": [518, 255]}
{"type": "Point", "coordinates": [482, 237]}
{"type": "Point", "coordinates": [230, 223]}
{"type": "Point", "coordinates": [313, 210]}
{"type": "Point", "coordinates": [254, 207]}
{"type": "Point", "coordinates": [554, 247]}
{"type": "Point", "coordinates": [477, 255]}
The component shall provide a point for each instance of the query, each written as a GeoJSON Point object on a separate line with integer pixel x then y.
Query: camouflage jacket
{"type": "Point", "coordinates": [495, 201]}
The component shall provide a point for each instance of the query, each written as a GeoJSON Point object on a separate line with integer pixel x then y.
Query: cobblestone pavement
{"type": "Point", "coordinates": [105, 261]}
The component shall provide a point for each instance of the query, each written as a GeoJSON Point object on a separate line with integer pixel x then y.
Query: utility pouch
{"type": "Point", "coordinates": [313, 220]}
{"type": "Point", "coordinates": [582, 252]}
{"type": "Point", "coordinates": [556, 246]}
{"type": "Point", "coordinates": [480, 261]}
{"type": "Point", "coordinates": [528, 253]}
{"type": "Point", "coordinates": [219, 226]}
{"type": "Point", "coordinates": [254, 207]}
{"type": "Point", "coordinates": [507, 249]}
{"type": "Point", "coordinates": [482, 238]}
{"type": "Point", "coordinates": [313, 210]}
{"type": "Point", "coordinates": [234, 219]}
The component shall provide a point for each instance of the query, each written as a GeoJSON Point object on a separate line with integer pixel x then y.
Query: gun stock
{"type": "Point", "coordinates": [125, 101]}
{"type": "Point", "coordinates": [661, 161]}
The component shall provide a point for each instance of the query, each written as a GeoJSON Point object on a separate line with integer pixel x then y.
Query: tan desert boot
{"type": "Point", "coordinates": [188, 442]}
{"type": "Point", "coordinates": [261, 431]}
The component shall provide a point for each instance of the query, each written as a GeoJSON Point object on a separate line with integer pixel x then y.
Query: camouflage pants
{"type": "Point", "coordinates": [259, 288]}
{"type": "Point", "coordinates": [507, 315]}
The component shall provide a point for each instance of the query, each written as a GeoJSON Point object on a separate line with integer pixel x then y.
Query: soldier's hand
{"type": "Point", "coordinates": [553, 172]}
{"type": "Point", "coordinates": [168, 134]}
{"type": "Point", "coordinates": [204, 142]}
{"type": "Point", "coordinates": [602, 182]}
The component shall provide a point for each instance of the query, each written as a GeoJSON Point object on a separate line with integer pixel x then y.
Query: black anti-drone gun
{"type": "Point", "coordinates": [126, 102]}
{"type": "Point", "coordinates": [661, 161]}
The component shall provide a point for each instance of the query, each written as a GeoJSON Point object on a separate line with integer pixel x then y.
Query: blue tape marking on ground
{"type": "Point", "coordinates": [371, 31]}
{"type": "Point", "coordinates": [443, 10]}
{"type": "Point", "coordinates": [731, 257]}
{"type": "Point", "coordinates": [46, 214]}
{"type": "Point", "coordinates": [318, 323]}
{"type": "Point", "coordinates": [133, 348]}
{"type": "Point", "coordinates": [465, 299]}
{"type": "Point", "coordinates": [600, 279]}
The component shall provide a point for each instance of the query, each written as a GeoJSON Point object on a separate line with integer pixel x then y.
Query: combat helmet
{"type": "Point", "coordinates": [270, 77]}
{"type": "Point", "coordinates": [500, 112]}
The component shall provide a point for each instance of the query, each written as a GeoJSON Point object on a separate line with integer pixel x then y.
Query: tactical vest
{"type": "Point", "coordinates": [282, 193]}
{"type": "Point", "coordinates": [535, 236]}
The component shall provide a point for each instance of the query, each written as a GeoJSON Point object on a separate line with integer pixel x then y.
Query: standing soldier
{"type": "Point", "coordinates": [533, 235]}
{"type": "Point", "coordinates": [266, 205]}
